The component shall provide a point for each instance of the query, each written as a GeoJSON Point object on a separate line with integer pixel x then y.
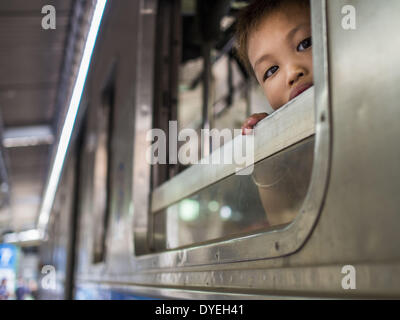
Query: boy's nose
{"type": "Point", "coordinates": [294, 75]}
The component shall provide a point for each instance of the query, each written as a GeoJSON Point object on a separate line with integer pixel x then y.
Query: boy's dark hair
{"type": "Point", "coordinates": [250, 18]}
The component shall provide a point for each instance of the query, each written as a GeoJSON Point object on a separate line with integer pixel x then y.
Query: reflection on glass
{"type": "Point", "coordinates": [269, 197]}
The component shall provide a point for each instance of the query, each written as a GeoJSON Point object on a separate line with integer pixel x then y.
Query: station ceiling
{"type": "Point", "coordinates": [32, 61]}
{"type": "Point", "coordinates": [37, 72]}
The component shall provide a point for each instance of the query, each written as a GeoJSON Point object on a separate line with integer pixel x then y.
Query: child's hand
{"type": "Point", "coordinates": [251, 121]}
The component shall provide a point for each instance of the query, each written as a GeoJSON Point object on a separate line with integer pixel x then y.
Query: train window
{"type": "Point", "coordinates": [209, 201]}
{"type": "Point", "coordinates": [102, 174]}
{"type": "Point", "coordinates": [229, 93]}
{"type": "Point", "coordinates": [200, 83]}
{"type": "Point", "coordinates": [210, 205]}
{"type": "Point", "coordinates": [240, 204]}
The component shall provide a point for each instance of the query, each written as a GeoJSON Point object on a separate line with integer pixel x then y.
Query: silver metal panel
{"type": "Point", "coordinates": [363, 203]}
{"type": "Point", "coordinates": [261, 280]}
{"type": "Point", "coordinates": [143, 123]}
{"type": "Point", "coordinates": [122, 18]}
{"type": "Point", "coordinates": [351, 212]}
{"type": "Point", "coordinates": [189, 294]}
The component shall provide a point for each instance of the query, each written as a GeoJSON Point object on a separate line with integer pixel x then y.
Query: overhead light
{"type": "Point", "coordinates": [65, 137]}
{"type": "Point", "coordinates": [27, 136]}
{"type": "Point", "coordinates": [22, 237]}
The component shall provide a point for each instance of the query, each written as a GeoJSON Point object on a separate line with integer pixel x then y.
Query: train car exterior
{"type": "Point", "coordinates": [116, 222]}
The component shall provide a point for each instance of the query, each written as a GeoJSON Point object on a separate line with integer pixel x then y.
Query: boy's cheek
{"type": "Point", "coordinates": [273, 101]}
{"type": "Point", "coordinates": [273, 91]}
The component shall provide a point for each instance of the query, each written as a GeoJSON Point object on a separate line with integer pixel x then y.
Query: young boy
{"type": "Point", "coordinates": [274, 42]}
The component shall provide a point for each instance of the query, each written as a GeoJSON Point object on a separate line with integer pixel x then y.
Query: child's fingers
{"type": "Point", "coordinates": [247, 131]}
{"type": "Point", "coordinates": [245, 126]}
{"type": "Point", "coordinates": [250, 122]}
{"type": "Point", "coordinates": [248, 125]}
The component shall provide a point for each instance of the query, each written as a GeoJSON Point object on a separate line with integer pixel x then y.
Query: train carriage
{"type": "Point", "coordinates": [328, 162]}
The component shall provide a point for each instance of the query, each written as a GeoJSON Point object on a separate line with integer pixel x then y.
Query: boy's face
{"type": "Point", "coordinates": [280, 53]}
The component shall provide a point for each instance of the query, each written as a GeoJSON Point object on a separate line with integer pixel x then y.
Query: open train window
{"type": "Point", "coordinates": [102, 173]}
{"type": "Point", "coordinates": [241, 204]}
{"type": "Point", "coordinates": [209, 207]}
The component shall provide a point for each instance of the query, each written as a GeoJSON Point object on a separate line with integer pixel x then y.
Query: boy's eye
{"type": "Point", "coordinates": [270, 72]}
{"type": "Point", "coordinates": [305, 44]}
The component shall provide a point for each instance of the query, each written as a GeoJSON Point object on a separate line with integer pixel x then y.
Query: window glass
{"type": "Point", "coordinates": [240, 204]}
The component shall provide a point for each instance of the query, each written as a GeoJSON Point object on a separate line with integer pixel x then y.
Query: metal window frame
{"type": "Point", "coordinates": [282, 129]}
{"type": "Point", "coordinates": [276, 243]}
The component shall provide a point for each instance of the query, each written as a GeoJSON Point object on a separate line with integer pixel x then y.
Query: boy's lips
{"type": "Point", "coordinates": [299, 89]}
